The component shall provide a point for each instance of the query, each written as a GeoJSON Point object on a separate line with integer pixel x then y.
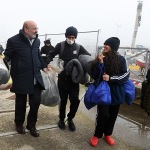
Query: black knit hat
{"type": "Point", "coordinates": [71, 31]}
{"type": "Point", "coordinates": [113, 42]}
{"type": "Point", "coordinates": [47, 42]}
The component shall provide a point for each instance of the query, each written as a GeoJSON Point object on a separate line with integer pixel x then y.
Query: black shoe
{"type": "Point", "coordinates": [71, 125]}
{"type": "Point", "coordinates": [33, 131]}
{"type": "Point", "coordinates": [20, 129]}
{"type": "Point", "coordinates": [61, 124]}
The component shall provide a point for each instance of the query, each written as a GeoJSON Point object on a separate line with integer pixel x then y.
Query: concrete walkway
{"type": "Point", "coordinates": [51, 137]}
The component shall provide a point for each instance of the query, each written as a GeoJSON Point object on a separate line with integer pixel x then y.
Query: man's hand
{"type": "Point", "coordinates": [45, 70]}
{"type": "Point", "coordinates": [49, 67]}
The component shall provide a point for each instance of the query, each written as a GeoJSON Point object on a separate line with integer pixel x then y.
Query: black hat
{"type": "Point", "coordinates": [113, 42]}
{"type": "Point", "coordinates": [71, 31]}
{"type": "Point", "coordinates": [47, 41]}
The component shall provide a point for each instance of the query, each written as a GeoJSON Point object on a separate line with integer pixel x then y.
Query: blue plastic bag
{"type": "Point", "coordinates": [102, 95]}
{"type": "Point", "coordinates": [99, 94]}
{"type": "Point", "coordinates": [129, 91]}
{"type": "Point", "coordinates": [88, 96]}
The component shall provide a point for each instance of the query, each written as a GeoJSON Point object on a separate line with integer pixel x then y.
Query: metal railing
{"type": "Point", "coordinates": [139, 51]}
{"type": "Point", "coordinates": [89, 39]}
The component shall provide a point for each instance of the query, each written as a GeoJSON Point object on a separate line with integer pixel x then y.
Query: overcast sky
{"type": "Point", "coordinates": [112, 17]}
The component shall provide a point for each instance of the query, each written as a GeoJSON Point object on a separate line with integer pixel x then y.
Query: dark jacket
{"type": "Point", "coordinates": [145, 94]}
{"type": "Point", "coordinates": [86, 62]}
{"type": "Point", "coordinates": [68, 54]}
{"type": "Point", "coordinates": [26, 63]}
{"type": "Point", "coordinates": [115, 82]}
{"type": "Point", "coordinates": [76, 71]}
{"type": "Point", "coordinates": [45, 51]}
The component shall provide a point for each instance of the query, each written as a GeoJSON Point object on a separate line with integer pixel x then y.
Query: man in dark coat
{"type": "Point", "coordinates": [26, 62]}
{"type": "Point", "coordinates": [46, 49]}
{"type": "Point", "coordinates": [67, 88]}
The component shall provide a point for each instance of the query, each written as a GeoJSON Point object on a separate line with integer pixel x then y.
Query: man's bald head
{"type": "Point", "coordinates": [30, 29]}
{"type": "Point", "coordinates": [28, 24]}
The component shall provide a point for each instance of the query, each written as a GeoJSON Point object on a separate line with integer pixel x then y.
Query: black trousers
{"type": "Point", "coordinates": [105, 120]}
{"type": "Point", "coordinates": [34, 103]}
{"type": "Point", "coordinates": [68, 88]}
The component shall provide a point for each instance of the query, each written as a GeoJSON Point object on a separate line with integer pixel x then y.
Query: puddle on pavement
{"type": "Point", "coordinates": [141, 129]}
{"type": "Point", "coordinates": [132, 132]}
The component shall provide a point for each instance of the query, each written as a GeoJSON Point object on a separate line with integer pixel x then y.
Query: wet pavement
{"type": "Point", "coordinates": [132, 126]}
{"type": "Point", "coordinates": [131, 131]}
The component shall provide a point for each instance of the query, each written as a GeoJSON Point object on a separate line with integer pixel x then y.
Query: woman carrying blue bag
{"type": "Point", "coordinates": [114, 71]}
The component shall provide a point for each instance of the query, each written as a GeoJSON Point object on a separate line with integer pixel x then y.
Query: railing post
{"type": "Point", "coordinates": [45, 37]}
{"type": "Point", "coordinates": [97, 50]}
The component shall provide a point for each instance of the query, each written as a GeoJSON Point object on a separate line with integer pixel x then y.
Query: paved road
{"type": "Point", "coordinates": [51, 138]}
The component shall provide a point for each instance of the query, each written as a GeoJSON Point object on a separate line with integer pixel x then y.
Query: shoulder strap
{"type": "Point", "coordinates": [77, 48]}
{"type": "Point", "coordinates": [63, 46]}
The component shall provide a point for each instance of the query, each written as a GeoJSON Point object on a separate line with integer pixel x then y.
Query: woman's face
{"type": "Point", "coordinates": [107, 48]}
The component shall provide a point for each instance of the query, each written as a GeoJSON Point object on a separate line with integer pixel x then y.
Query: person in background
{"type": "Point", "coordinates": [67, 88]}
{"type": "Point", "coordinates": [26, 62]}
{"type": "Point", "coordinates": [115, 73]}
{"type": "Point", "coordinates": [145, 93]}
{"type": "Point", "coordinates": [1, 50]}
{"type": "Point", "coordinates": [46, 49]}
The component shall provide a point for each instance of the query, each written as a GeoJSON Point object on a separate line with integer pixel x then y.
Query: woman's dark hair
{"type": "Point", "coordinates": [111, 61]}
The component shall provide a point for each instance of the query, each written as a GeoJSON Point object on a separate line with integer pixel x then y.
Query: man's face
{"type": "Point", "coordinates": [70, 39]}
{"type": "Point", "coordinates": [31, 30]}
{"type": "Point", "coordinates": [47, 44]}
